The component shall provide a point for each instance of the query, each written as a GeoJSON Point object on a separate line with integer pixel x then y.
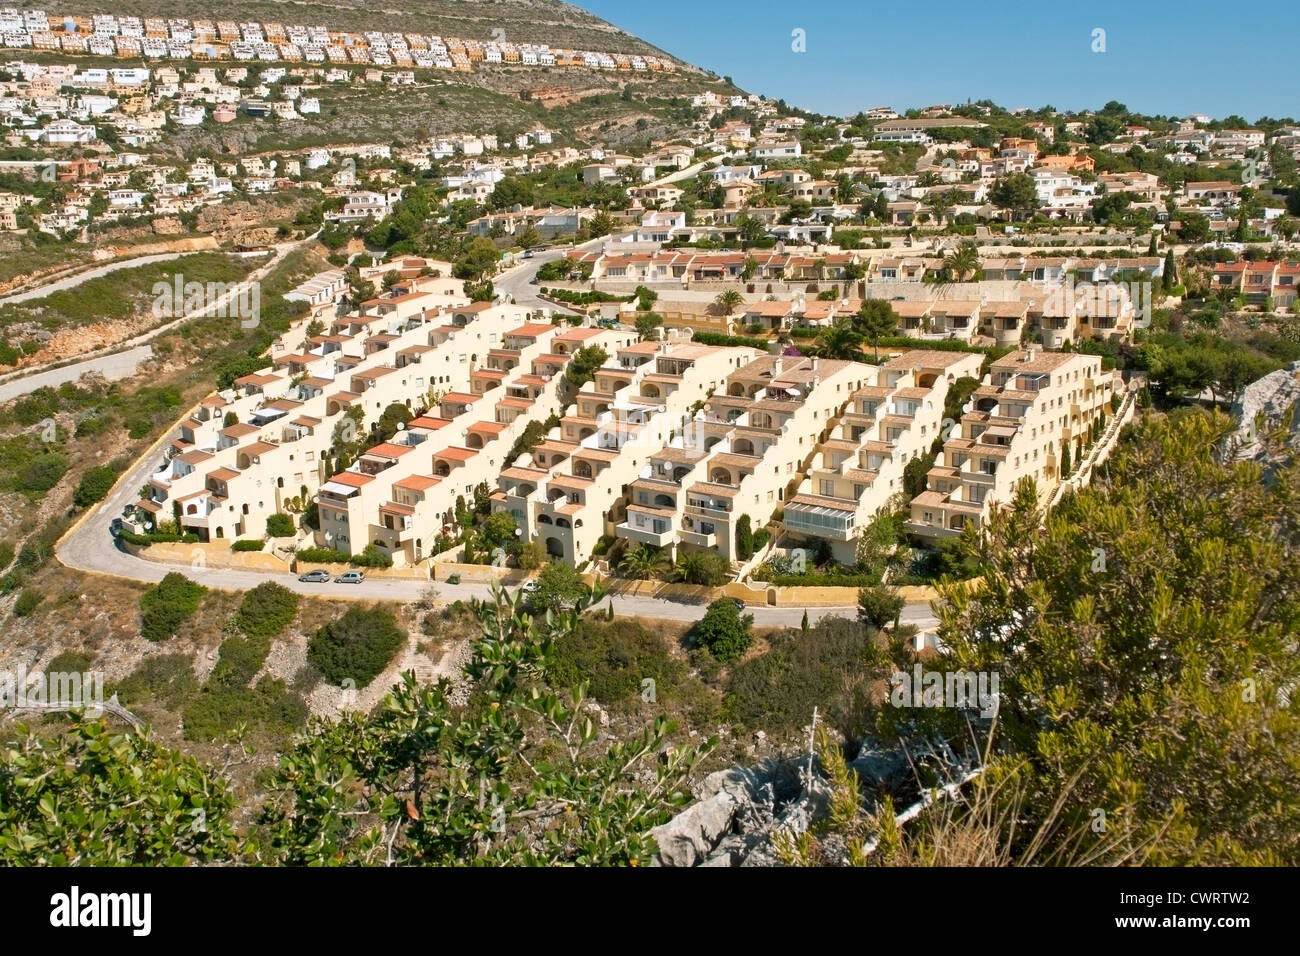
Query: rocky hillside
{"type": "Point", "coordinates": [1266, 405]}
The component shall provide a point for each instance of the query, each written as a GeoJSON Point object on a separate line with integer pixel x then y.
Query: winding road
{"type": "Point", "coordinates": [121, 359]}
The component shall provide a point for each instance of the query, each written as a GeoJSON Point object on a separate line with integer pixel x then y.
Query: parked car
{"type": "Point", "coordinates": [740, 605]}
{"type": "Point", "coordinates": [115, 527]}
{"type": "Point", "coordinates": [530, 587]}
{"type": "Point", "coordinates": [315, 577]}
{"type": "Point", "coordinates": [528, 253]}
{"type": "Point", "coordinates": [453, 579]}
{"type": "Point", "coordinates": [350, 577]}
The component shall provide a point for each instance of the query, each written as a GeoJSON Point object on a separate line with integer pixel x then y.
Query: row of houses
{"type": "Point", "coordinates": [683, 266]}
{"type": "Point", "coordinates": [472, 374]}
{"type": "Point", "coordinates": [182, 38]}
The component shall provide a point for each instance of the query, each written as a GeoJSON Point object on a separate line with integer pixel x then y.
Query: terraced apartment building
{"type": "Point", "coordinates": [1030, 406]}
{"type": "Point", "coordinates": [891, 420]}
{"type": "Point", "coordinates": [740, 455]}
{"type": "Point", "coordinates": [571, 489]}
{"type": "Point", "coordinates": [268, 443]}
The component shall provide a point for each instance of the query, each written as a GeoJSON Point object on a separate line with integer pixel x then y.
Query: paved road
{"type": "Point", "coordinates": [121, 359]}
{"type": "Point", "coordinates": [113, 367]}
{"type": "Point", "coordinates": [518, 281]}
{"type": "Point", "coordinates": [72, 281]}
{"type": "Point", "coordinates": [90, 547]}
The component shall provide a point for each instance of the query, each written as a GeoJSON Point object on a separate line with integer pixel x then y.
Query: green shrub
{"type": "Point", "coordinates": [702, 567]}
{"type": "Point", "coordinates": [744, 538]}
{"type": "Point", "coordinates": [93, 425]}
{"type": "Point", "coordinates": [357, 646]}
{"type": "Point", "coordinates": [615, 659]}
{"type": "Point", "coordinates": [266, 610]}
{"type": "Point", "coordinates": [717, 338]}
{"type": "Point", "coordinates": [240, 659]}
{"type": "Point", "coordinates": [27, 602]}
{"type": "Point", "coordinates": [833, 578]}
{"type": "Point", "coordinates": [70, 662]}
{"type": "Point", "coordinates": [167, 605]}
{"type": "Point", "coordinates": [270, 705]}
{"type": "Point", "coordinates": [94, 485]}
{"type": "Point", "coordinates": [371, 557]}
{"type": "Point", "coordinates": [831, 667]}
{"type": "Point", "coordinates": [280, 525]}
{"type": "Point", "coordinates": [322, 556]}
{"type": "Point", "coordinates": [247, 544]}
{"type": "Point", "coordinates": [879, 605]}
{"type": "Point", "coordinates": [165, 679]}
{"type": "Point", "coordinates": [723, 631]}
{"type": "Point", "coordinates": [42, 473]}
{"type": "Point", "coordinates": [156, 537]}
{"type": "Point", "coordinates": [559, 587]}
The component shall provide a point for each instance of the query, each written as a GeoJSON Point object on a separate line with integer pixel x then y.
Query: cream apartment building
{"type": "Point", "coordinates": [571, 489]}
{"type": "Point", "coordinates": [402, 495]}
{"type": "Point", "coordinates": [224, 480]}
{"type": "Point", "coordinates": [1031, 402]}
{"type": "Point", "coordinates": [892, 420]}
{"type": "Point", "coordinates": [741, 455]}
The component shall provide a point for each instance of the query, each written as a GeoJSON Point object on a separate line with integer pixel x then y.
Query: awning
{"type": "Point", "coordinates": [1000, 431]}
{"type": "Point", "coordinates": [338, 488]}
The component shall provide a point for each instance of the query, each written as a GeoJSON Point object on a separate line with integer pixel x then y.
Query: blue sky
{"type": "Point", "coordinates": [1160, 57]}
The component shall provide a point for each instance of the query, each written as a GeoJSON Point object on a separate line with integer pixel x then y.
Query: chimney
{"type": "Point", "coordinates": [776, 367]}
{"type": "Point", "coordinates": [1029, 353]}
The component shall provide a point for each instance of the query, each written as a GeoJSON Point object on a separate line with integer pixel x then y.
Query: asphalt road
{"type": "Point", "coordinates": [72, 281]}
{"type": "Point", "coordinates": [518, 281]}
{"type": "Point", "coordinates": [113, 367]}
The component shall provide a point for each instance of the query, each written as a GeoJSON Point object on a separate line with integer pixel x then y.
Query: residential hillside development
{"type": "Point", "coordinates": [1031, 412]}
{"type": "Point", "coordinates": [668, 443]}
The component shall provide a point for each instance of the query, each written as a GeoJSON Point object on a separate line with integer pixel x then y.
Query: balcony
{"type": "Point", "coordinates": [717, 514]}
{"type": "Point", "coordinates": [699, 538]}
{"type": "Point", "coordinates": [979, 478]}
{"type": "Point", "coordinates": [647, 534]}
{"type": "Point", "coordinates": [819, 522]}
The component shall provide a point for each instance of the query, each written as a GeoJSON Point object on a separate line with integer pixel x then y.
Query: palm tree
{"type": "Point", "coordinates": [963, 261]}
{"type": "Point", "coordinates": [940, 202]}
{"type": "Point", "coordinates": [729, 300]}
{"type": "Point", "coordinates": [840, 342]}
{"type": "Point", "coordinates": [643, 561]}
{"type": "Point", "coordinates": [875, 320]}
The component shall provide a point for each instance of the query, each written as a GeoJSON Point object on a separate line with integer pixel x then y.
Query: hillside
{"type": "Point", "coordinates": [524, 21]}
{"type": "Point", "coordinates": [581, 105]}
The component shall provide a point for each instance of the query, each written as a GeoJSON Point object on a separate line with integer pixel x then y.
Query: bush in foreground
{"type": "Point", "coordinates": [356, 646]}
{"type": "Point", "coordinates": [167, 605]}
